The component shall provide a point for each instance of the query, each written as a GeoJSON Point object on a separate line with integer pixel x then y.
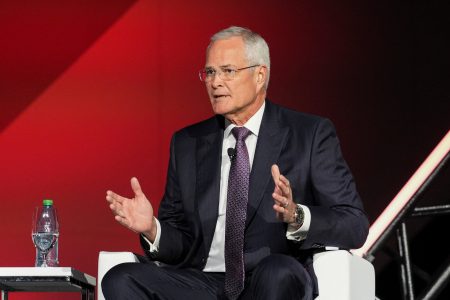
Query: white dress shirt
{"type": "Point", "coordinates": [216, 257]}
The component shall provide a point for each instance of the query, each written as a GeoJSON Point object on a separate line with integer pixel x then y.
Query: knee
{"type": "Point", "coordinates": [279, 267]}
{"type": "Point", "coordinates": [281, 277]}
{"type": "Point", "coordinates": [116, 279]}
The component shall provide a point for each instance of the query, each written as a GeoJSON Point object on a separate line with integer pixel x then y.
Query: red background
{"type": "Point", "coordinates": [91, 91]}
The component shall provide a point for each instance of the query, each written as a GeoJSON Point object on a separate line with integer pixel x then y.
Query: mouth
{"type": "Point", "coordinates": [220, 97]}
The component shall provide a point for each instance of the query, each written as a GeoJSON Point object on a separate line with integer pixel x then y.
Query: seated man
{"type": "Point", "coordinates": [251, 194]}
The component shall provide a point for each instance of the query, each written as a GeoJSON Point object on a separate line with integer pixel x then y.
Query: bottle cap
{"type": "Point", "coordinates": [47, 202]}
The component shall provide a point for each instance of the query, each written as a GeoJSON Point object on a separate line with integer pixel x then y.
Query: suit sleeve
{"type": "Point", "coordinates": [175, 238]}
{"type": "Point", "coordinates": [337, 214]}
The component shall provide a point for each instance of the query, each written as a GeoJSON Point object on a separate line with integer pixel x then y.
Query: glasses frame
{"type": "Point", "coordinates": [204, 78]}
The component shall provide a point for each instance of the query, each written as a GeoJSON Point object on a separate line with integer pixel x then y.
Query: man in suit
{"type": "Point", "coordinates": [251, 194]}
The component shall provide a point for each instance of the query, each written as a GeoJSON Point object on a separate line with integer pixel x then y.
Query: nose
{"type": "Point", "coordinates": [216, 81]}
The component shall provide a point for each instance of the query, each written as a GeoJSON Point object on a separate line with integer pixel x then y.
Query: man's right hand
{"type": "Point", "coordinates": [136, 213]}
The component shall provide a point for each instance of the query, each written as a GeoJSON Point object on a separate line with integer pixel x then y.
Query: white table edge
{"type": "Point", "coordinates": [46, 272]}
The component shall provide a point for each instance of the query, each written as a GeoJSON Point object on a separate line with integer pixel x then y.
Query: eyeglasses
{"type": "Point", "coordinates": [225, 73]}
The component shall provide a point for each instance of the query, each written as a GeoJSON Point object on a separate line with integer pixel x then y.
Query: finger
{"type": "Point", "coordinates": [276, 178]}
{"type": "Point", "coordinates": [110, 199]}
{"type": "Point", "coordinates": [282, 214]}
{"type": "Point", "coordinates": [113, 197]}
{"type": "Point", "coordinates": [280, 200]}
{"type": "Point", "coordinates": [275, 174]}
{"type": "Point", "coordinates": [122, 221]}
{"type": "Point", "coordinates": [116, 209]}
{"type": "Point", "coordinates": [281, 182]}
{"type": "Point", "coordinates": [284, 180]}
{"type": "Point", "coordinates": [279, 209]}
{"type": "Point", "coordinates": [284, 185]}
{"type": "Point", "coordinates": [136, 187]}
{"type": "Point", "coordinates": [125, 222]}
{"type": "Point", "coordinates": [277, 190]}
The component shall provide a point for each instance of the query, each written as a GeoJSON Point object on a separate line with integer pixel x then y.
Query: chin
{"type": "Point", "coordinates": [219, 107]}
{"type": "Point", "coordinates": [219, 111]}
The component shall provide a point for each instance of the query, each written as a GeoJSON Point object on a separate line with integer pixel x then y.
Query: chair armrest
{"type": "Point", "coordinates": [342, 275]}
{"type": "Point", "coordinates": [107, 260]}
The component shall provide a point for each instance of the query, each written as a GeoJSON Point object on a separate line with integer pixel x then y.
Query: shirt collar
{"type": "Point", "coordinates": [253, 124]}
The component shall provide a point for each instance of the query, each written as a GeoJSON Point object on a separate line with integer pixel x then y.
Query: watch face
{"type": "Point", "coordinates": [299, 215]}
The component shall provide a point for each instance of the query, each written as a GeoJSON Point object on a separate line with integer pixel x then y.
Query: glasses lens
{"type": "Point", "coordinates": [207, 74]}
{"type": "Point", "coordinates": [203, 75]}
{"type": "Point", "coordinates": [228, 73]}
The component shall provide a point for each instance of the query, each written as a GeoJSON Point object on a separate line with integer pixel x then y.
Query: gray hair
{"type": "Point", "coordinates": [256, 48]}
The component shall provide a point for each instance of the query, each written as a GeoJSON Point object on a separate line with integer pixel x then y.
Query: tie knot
{"type": "Point", "coordinates": [240, 133]}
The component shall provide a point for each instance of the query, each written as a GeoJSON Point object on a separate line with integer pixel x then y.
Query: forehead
{"type": "Point", "coordinates": [229, 51]}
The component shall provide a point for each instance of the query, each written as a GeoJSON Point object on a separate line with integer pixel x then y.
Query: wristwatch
{"type": "Point", "coordinates": [299, 215]}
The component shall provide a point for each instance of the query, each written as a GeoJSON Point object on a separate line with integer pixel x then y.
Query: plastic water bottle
{"type": "Point", "coordinates": [46, 232]}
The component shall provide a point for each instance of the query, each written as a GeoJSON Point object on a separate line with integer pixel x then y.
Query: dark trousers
{"type": "Point", "coordinates": [276, 277]}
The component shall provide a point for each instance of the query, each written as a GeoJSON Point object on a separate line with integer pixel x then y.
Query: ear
{"type": "Point", "coordinates": [261, 76]}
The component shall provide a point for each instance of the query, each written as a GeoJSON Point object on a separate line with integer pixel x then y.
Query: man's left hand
{"type": "Point", "coordinates": [284, 204]}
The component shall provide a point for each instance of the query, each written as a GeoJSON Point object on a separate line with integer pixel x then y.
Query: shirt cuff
{"type": "Point", "coordinates": [301, 233]}
{"type": "Point", "coordinates": [154, 247]}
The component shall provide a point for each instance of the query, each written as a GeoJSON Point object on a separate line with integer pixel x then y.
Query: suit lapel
{"type": "Point", "coordinates": [268, 148]}
{"type": "Point", "coordinates": [208, 162]}
{"type": "Point", "coordinates": [271, 139]}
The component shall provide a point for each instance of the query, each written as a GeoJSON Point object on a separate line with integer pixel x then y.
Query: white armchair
{"type": "Point", "coordinates": [340, 274]}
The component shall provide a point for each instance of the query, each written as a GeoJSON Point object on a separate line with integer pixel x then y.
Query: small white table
{"type": "Point", "coordinates": [51, 279]}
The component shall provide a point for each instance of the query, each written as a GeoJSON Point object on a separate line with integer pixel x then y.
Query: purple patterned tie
{"type": "Point", "coordinates": [237, 197]}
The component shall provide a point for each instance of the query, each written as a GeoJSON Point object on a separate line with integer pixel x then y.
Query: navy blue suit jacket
{"type": "Point", "coordinates": [307, 151]}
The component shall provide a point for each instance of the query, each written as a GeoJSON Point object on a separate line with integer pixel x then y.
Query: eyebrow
{"type": "Point", "coordinates": [222, 66]}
